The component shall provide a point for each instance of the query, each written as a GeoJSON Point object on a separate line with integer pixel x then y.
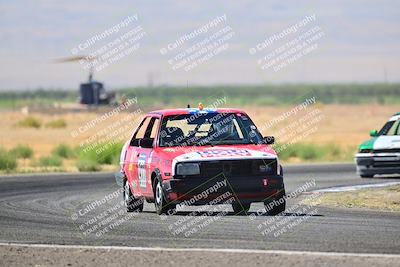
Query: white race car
{"type": "Point", "coordinates": [381, 153]}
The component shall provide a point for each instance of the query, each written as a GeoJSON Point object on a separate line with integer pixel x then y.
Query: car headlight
{"type": "Point", "coordinates": [187, 168]}
{"type": "Point", "coordinates": [365, 151]}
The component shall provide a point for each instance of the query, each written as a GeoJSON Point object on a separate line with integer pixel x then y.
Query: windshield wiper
{"type": "Point", "coordinates": [239, 143]}
{"type": "Point", "coordinates": [209, 143]}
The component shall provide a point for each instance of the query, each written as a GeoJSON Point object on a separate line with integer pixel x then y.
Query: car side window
{"type": "Point", "coordinates": [398, 127]}
{"type": "Point", "coordinates": [149, 128]}
{"type": "Point", "coordinates": [140, 132]}
{"type": "Point", "coordinates": [397, 132]}
{"type": "Point", "coordinates": [394, 129]}
{"type": "Point", "coordinates": [154, 128]}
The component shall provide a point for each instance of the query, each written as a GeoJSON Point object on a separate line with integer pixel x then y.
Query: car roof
{"type": "Point", "coordinates": [184, 111]}
{"type": "Point", "coordinates": [395, 117]}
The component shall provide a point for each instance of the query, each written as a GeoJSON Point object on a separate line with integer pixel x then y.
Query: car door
{"type": "Point", "coordinates": [145, 158]}
{"type": "Point", "coordinates": [132, 157]}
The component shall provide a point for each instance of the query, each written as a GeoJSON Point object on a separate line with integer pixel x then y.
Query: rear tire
{"type": "Point", "coordinates": [132, 204]}
{"type": "Point", "coordinates": [160, 202]}
{"type": "Point", "coordinates": [240, 208]}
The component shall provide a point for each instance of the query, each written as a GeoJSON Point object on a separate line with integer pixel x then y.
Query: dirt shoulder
{"type": "Point", "coordinates": [385, 199]}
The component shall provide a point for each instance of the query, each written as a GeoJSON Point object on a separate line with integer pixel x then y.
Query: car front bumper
{"type": "Point", "coordinates": [203, 190]}
{"type": "Point", "coordinates": [372, 163]}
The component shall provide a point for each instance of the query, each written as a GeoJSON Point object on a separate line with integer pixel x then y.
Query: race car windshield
{"type": "Point", "coordinates": [390, 128]}
{"type": "Point", "coordinates": [203, 129]}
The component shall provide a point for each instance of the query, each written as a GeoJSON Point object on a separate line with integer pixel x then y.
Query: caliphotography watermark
{"type": "Point", "coordinates": [102, 137]}
{"type": "Point", "coordinates": [278, 225]}
{"type": "Point", "coordinates": [200, 209]}
{"type": "Point", "coordinates": [111, 45]}
{"type": "Point", "coordinates": [296, 124]}
{"type": "Point", "coordinates": [109, 115]}
{"type": "Point", "coordinates": [295, 214]}
{"type": "Point", "coordinates": [286, 47]}
{"type": "Point", "coordinates": [179, 142]}
{"type": "Point", "coordinates": [103, 215]}
{"type": "Point", "coordinates": [199, 46]}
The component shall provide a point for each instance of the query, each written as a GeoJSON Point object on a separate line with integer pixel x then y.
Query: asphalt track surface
{"type": "Point", "coordinates": [57, 209]}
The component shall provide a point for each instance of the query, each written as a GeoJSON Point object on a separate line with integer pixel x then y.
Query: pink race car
{"type": "Point", "coordinates": [199, 156]}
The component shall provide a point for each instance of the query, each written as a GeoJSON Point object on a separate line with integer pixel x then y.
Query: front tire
{"type": "Point", "coordinates": [132, 204]}
{"type": "Point", "coordinates": [160, 203]}
{"type": "Point", "coordinates": [278, 208]}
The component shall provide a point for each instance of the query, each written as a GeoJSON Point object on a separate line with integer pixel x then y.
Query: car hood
{"type": "Point", "coordinates": [387, 142]}
{"type": "Point", "coordinates": [368, 144]}
{"type": "Point", "coordinates": [382, 142]}
{"type": "Point", "coordinates": [197, 153]}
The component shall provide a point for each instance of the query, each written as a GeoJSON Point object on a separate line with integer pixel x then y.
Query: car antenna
{"type": "Point", "coordinates": [187, 87]}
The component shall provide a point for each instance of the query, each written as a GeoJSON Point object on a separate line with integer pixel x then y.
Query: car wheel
{"type": "Point", "coordinates": [131, 203]}
{"type": "Point", "coordinates": [160, 203]}
{"type": "Point", "coordinates": [240, 208]}
{"type": "Point", "coordinates": [278, 208]}
{"type": "Point", "coordinates": [366, 175]}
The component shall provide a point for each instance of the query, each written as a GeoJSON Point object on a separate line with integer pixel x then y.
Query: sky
{"type": "Point", "coordinates": [358, 42]}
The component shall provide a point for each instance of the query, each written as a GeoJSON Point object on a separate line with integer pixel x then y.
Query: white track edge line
{"type": "Point", "coordinates": [349, 188]}
{"type": "Point", "coordinates": [248, 251]}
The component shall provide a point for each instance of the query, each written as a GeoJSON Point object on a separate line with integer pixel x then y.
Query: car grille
{"type": "Point", "coordinates": [387, 164]}
{"type": "Point", "coordinates": [393, 150]}
{"type": "Point", "coordinates": [237, 168]}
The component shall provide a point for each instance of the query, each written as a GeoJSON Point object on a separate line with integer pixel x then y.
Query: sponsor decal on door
{"type": "Point", "coordinates": [142, 170]}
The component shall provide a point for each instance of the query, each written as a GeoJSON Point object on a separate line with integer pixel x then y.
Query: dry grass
{"type": "Point", "coordinates": [343, 125]}
{"type": "Point", "coordinates": [377, 199]}
{"type": "Point", "coordinates": [44, 140]}
{"type": "Point", "coordinates": [346, 125]}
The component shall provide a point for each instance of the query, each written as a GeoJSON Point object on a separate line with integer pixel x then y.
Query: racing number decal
{"type": "Point", "coordinates": [224, 152]}
{"type": "Point", "coordinates": [142, 170]}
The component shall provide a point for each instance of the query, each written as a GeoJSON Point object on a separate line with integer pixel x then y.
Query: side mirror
{"type": "Point", "coordinates": [146, 142]}
{"type": "Point", "coordinates": [269, 140]}
{"type": "Point", "coordinates": [373, 133]}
